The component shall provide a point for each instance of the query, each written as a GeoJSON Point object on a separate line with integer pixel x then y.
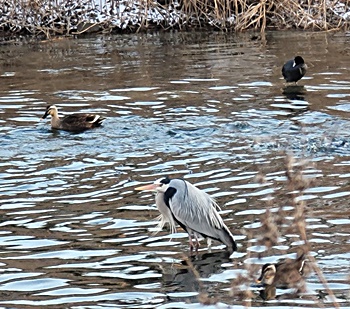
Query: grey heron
{"type": "Point", "coordinates": [294, 69]}
{"type": "Point", "coordinates": [195, 211]}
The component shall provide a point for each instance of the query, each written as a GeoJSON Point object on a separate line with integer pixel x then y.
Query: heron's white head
{"type": "Point", "coordinates": [160, 185]}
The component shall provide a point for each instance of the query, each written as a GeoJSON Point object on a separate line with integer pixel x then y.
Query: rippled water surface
{"type": "Point", "coordinates": [208, 107]}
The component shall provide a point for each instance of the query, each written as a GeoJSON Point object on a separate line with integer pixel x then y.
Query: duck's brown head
{"type": "Point", "coordinates": [268, 273]}
{"type": "Point", "coordinates": [50, 110]}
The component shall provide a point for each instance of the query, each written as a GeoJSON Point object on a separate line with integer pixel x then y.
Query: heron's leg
{"type": "Point", "coordinates": [209, 243]}
{"type": "Point", "coordinates": [197, 241]}
{"type": "Point", "coordinates": [190, 241]}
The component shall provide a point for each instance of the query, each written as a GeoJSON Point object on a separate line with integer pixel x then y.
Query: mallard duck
{"type": "Point", "coordinates": [73, 122]}
{"type": "Point", "coordinates": [294, 69]}
{"type": "Point", "coordinates": [286, 273]}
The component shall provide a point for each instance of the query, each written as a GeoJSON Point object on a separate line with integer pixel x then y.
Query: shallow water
{"type": "Point", "coordinates": [209, 107]}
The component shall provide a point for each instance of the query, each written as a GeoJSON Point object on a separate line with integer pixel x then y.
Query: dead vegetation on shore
{"type": "Point", "coordinates": [68, 17]}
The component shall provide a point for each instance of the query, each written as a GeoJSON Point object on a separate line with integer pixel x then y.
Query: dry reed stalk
{"type": "Point", "coordinates": [325, 26]}
{"type": "Point", "coordinates": [275, 224]}
{"type": "Point", "coordinates": [250, 18]}
{"type": "Point", "coordinates": [244, 294]}
{"type": "Point", "coordinates": [299, 183]}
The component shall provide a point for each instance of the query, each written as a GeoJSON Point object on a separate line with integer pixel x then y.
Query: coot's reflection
{"type": "Point", "coordinates": [294, 92]}
{"type": "Point", "coordinates": [295, 97]}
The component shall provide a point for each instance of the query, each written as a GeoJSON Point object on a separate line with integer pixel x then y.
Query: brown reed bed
{"type": "Point", "coordinates": [74, 17]}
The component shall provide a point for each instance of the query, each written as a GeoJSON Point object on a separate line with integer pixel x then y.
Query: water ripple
{"type": "Point", "coordinates": [210, 108]}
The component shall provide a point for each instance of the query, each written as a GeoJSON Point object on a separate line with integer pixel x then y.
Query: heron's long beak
{"type": "Point", "coordinates": [151, 187]}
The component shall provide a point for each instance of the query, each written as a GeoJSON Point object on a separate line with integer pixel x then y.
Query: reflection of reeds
{"type": "Point", "coordinates": [51, 17]}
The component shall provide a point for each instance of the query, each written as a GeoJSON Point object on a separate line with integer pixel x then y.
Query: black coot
{"type": "Point", "coordinates": [294, 69]}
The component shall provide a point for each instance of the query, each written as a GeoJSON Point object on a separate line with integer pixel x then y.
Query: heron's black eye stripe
{"type": "Point", "coordinates": [168, 194]}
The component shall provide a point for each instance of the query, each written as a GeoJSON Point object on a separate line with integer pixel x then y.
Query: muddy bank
{"type": "Point", "coordinates": [46, 18]}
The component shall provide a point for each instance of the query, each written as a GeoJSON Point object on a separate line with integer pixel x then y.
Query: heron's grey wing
{"type": "Point", "coordinates": [196, 210]}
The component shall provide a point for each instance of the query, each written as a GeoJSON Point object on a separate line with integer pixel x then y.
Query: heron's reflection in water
{"type": "Point", "coordinates": [183, 277]}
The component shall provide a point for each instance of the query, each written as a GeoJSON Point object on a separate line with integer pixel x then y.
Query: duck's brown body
{"type": "Point", "coordinates": [283, 274]}
{"type": "Point", "coordinates": [73, 122]}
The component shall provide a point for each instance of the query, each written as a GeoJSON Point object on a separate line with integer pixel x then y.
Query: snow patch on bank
{"type": "Point", "coordinates": [68, 16]}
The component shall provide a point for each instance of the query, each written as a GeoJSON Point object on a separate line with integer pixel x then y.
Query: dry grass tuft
{"type": "Point", "coordinates": [68, 17]}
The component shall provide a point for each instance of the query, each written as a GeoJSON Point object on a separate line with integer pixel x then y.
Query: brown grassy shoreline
{"type": "Point", "coordinates": [46, 18]}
